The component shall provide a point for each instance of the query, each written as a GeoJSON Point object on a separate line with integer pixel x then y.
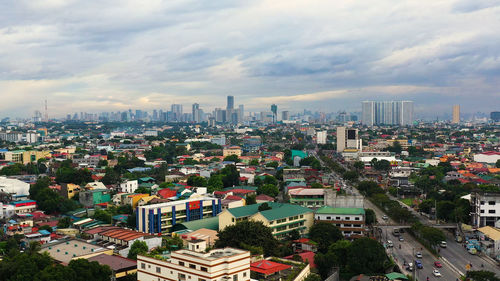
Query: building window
{"type": "Point", "coordinates": [337, 218]}
{"type": "Point", "coordinates": [244, 274]}
{"type": "Point", "coordinates": [356, 218]}
{"type": "Point", "coordinates": [143, 266]}
{"type": "Point", "coordinates": [491, 202]}
{"type": "Point", "coordinates": [347, 218]}
{"type": "Point", "coordinates": [158, 269]}
{"type": "Point", "coordinates": [203, 269]}
{"type": "Point", "coordinates": [192, 266]}
{"type": "Point", "coordinates": [235, 277]}
{"type": "Point", "coordinates": [181, 263]}
{"type": "Point", "coordinates": [491, 211]}
{"type": "Point", "coordinates": [482, 202]}
{"type": "Point", "coordinates": [482, 211]}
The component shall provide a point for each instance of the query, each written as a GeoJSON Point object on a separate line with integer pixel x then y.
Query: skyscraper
{"type": "Point", "coordinates": [230, 103]}
{"type": "Point", "coordinates": [241, 113]}
{"type": "Point", "coordinates": [348, 139]}
{"type": "Point", "coordinates": [456, 114]}
{"type": "Point", "coordinates": [176, 112]}
{"type": "Point", "coordinates": [274, 110]}
{"type": "Point", "coordinates": [285, 115]}
{"type": "Point", "coordinates": [196, 113]}
{"type": "Point", "coordinates": [387, 113]}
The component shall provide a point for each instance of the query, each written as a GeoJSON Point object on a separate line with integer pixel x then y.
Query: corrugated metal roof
{"type": "Point", "coordinates": [340, 211]}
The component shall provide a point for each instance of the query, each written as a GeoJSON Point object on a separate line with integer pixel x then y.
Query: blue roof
{"type": "Point", "coordinates": [23, 201]}
{"type": "Point", "coordinates": [44, 232]}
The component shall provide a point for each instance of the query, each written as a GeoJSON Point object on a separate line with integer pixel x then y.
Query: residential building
{"type": "Point", "coordinates": [490, 241]}
{"type": "Point", "coordinates": [23, 206]}
{"type": "Point", "coordinates": [69, 190]}
{"type": "Point", "coordinates": [25, 157]}
{"type": "Point", "coordinates": [89, 198]}
{"type": "Point", "coordinates": [282, 218]}
{"type": "Point", "coordinates": [351, 221]}
{"type": "Point", "coordinates": [490, 157]}
{"type": "Point", "coordinates": [485, 208]}
{"type": "Point", "coordinates": [285, 115]}
{"type": "Point", "coordinates": [232, 150]}
{"type": "Point", "coordinates": [6, 211]}
{"type": "Point", "coordinates": [129, 186]}
{"type": "Point", "coordinates": [307, 197]}
{"type": "Point", "coordinates": [160, 218]}
{"type": "Point", "coordinates": [120, 266]}
{"type": "Point", "coordinates": [122, 239]}
{"type": "Point", "coordinates": [184, 265]}
{"type": "Point", "coordinates": [321, 137]}
{"type": "Point", "coordinates": [387, 113]}
{"type": "Point", "coordinates": [66, 251]}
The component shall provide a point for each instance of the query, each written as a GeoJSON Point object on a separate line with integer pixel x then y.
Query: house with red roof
{"type": "Point", "coordinates": [266, 268]}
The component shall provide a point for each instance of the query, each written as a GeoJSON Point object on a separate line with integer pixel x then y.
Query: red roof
{"type": "Point", "coordinates": [242, 191]}
{"type": "Point", "coordinates": [268, 267]}
{"type": "Point", "coordinates": [233, 197]}
{"type": "Point", "coordinates": [167, 193]}
{"type": "Point", "coordinates": [307, 256]}
{"type": "Point", "coordinates": [264, 197]}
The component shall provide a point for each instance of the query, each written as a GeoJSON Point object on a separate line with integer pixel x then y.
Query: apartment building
{"type": "Point", "coordinates": [216, 265]}
{"type": "Point", "coordinates": [281, 218]}
{"type": "Point", "coordinates": [307, 197]}
{"type": "Point", "coordinates": [351, 221]}
{"type": "Point", "coordinates": [160, 218]}
{"type": "Point", "coordinates": [485, 208]}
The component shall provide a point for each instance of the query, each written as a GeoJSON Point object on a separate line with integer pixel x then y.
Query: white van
{"type": "Point", "coordinates": [443, 244]}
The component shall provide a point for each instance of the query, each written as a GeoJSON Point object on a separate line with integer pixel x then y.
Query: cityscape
{"type": "Point", "coordinates": [250, 141]}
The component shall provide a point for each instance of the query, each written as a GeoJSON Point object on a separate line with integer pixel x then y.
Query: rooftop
{"type": "Point", "coordinates": [116, 263]}
{"type": "Point", "coordinates": [213, 254]}
{"type": "Point", "coordinates": [277, 211]}
{"type": "Point", "coordinates": [67, 250]}
{"type": "Point", "coordinates": [340, 211]}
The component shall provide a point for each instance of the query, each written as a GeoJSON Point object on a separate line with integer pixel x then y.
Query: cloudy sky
{"type": "Point", "coordinates": [324, 55]}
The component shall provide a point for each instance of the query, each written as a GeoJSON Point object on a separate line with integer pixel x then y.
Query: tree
{"type": "Point", "coordinates": [482, 275]}
{"type": "Point", "coordinates": [215, 183]}
{"type": "Point", "coordinates": [64, 222]}
{"type": "Point", "coordinates": [351, 176]}
{"type": "Point", "coordinates": [369, 188]}
{"type": "Point", "coordinates": [359, 165]}
{"type": "Point", "coordinates": [370, 216]}
{"type": "Point", "coordinates": [138, 248]}
{"type": "Point", "coordinates": [102, 163]}
{"type": "Point", "coordinates": [254, 162]}
{"type": "Point", "coordinates": [251, 199]}
{"type": "Point", "coordinates": [267, 179]}
{"type": "Point", "coordinates": [268, 189]}
{"type": "Point", "coordinates": [253, 233]}
{"type": "Point", "coordinates": [197, 181]}
{"type": "Point", "coordinates": [45, 227]}
{"type": "Point", "coordinates": [110, 177]}
{"type": "Point", "coordinates": [324, 234]}
{"type": "Point", "coordinates": [264, 207]}
{"type": "Point", "coordinates": [426, 206]}
{"type": "Point", "coordinates": [313, 277]}
{"type": "Point", "coordinates": [497, 164]}
{"type": "Point", "coordinates": [230, 175]}
{"type": "Point", "coordinates": [273, 164]}
{"type": "Point", "coordinates": [395, 147]}
{"type": "Point", "coordinates": [316, 185]}
{"type": "Point", "coordinates": [102, 216]}
{"type": "Point", "coordinates": [382, 165]}
{"type": "Point", "coordinates": [85, 270]}
{"type": "Point", "coordinates": [366, 255]}
{"type": "Point", "coordinates": [232, 158]}
{"type": "Point", "coordinates": [131, 221]}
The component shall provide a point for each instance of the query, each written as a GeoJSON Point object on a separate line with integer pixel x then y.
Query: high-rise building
{"type": "Point", "coordinates": [241, 113]}
{"type": "Point", "coordinates": [321, 137]}
{"type": "Point", "coordinates": [176, 112]}
{"type": "Point", "coordinates": [387, 113]}
{"type": "Point", "coordinates": [285, 115]}
{"type": "Point", "coordinates": [274, 110]}
{"type": "Point", "coordinates": [348, 139]}
{"type": "Point", "coordinates": [230, 103]}
{"type": "Point", "coordinates": [196, 113]}
{"type": "Point", "coordinates": [456, 114]}
{"type": "Point", "coordinates": [495, 116]}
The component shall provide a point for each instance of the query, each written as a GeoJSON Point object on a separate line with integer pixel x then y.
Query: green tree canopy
{"type": "Point", "coordinates": [197, 181]}
{"type": "Point", "coordinates": [268, 189]}
{"type": "Point", "coordinates": [324, 234]}
{"type": "Point", "coordinates": [232, 158]}
{"type": "Point", "coordinates": [137, 248]}
{"type": "Point", "coordinates": [370, 216]}
{"type": "Point", "coordinates": [366, 255]}
{"type": "Point", "coordinates": [249, 232]}
{"type": "Point", "coordinates": [482, 275]}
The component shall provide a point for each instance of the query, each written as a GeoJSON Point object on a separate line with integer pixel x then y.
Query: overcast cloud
{"type": "Point", "coordinates": [325, 55]}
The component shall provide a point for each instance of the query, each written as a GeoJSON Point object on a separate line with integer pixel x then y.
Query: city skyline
{"type": "Point", "coordinates": [88, 56]}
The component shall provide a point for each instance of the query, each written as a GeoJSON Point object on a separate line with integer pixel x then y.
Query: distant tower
{"type": "Point", "coordinates": [230, 102]}
{"type": "Point", "coordinates": [456, 114]}
{"type": "Point", "coordinates": [274, 110]}
{"type": "Point", "coordinates": [46, 112]}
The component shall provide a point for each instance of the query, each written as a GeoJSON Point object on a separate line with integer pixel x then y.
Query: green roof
{"type": "Point", "coordinates": [340, 211]}
{"type": "Point", "coordinates": [396, 276]}
{"type": "Point", "coordinates": [247, 187]}
{"type": "Point", "coordinates": [277, 211]}
{"type": "Point", "coordinates": [299, 153]}
{"type": "Point", "coordinates": [209, 223]}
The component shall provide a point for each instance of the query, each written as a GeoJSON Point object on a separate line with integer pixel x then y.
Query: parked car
{"type": "Point", "coordinates": [419, 264]}
{"type": "Point", "coordinates": [418, 255]}
{"type": "Point", "coordinates": [401, 239]}
{"type": "Point", "coordinates": [443, 244]}
{"type": "Point", "coordinates": [409, 267]}
{"type": "Point", "coordinates": [438, 264]}
{"type": "Point", "coordinates": [436, 273]}
{"type": "Point", "coordinates": [390, 244]}
{"type": "Point", "coordinates": [385, 217]}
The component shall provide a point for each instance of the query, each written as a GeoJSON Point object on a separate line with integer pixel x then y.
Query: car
{"type": "Point", "coordinates": [443, 244]}
{"type": "Point", "coordinates": [390, 244]}
{"type": "Point", "coordinates": [436, 273]}
{"type": "Point", "coordinates": [438, 264]}
{"type": "Point", "coordinates": [409, 267]}
{"type": "Point", "coordinates": [385, 217]}
{"type": "Point", "coordinates": [418, 264]}
{"type": "Point", "coordinates": [401, 239]}
{"type": "Point", "coordinates": [418, 255]}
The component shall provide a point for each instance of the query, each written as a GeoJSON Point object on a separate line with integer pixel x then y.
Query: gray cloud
{"type": "Point", "coordinates": [114, 55]}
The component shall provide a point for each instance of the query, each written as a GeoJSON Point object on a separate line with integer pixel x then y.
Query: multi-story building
{"type": "Point", "coordinates": [184, 265]}
{"type": "Point", "coordinates": [348, 139]}
{"type": "Point", "coordinates": [351, 221]}
{"type": "Point", "coordinates": [129, 186]}
{"type": "Point", "coordinates": [285, 115]}
{"type": "Point", "coordinates": [485, 208]}
{"type": "Point", "coordinates": [387, 113]}
{"type": "Point", "coordinates": [321, 137]}
{"type": "Point", "coordinates": [232, 150]}
{"type": "Point", "coordinates": [6, 211]}
{"type": "Point", "coordinates": [307, 197]}
{"type": "Point", "coordinates": [14, 186]}
{"type": "Point", "coordinates": [160, 218]}
{"type": "Point", "coordinates": [282, 218]}
{"type": "Point", "coordinates": [25, 157]}
{"type": "Point", "coordinates": [24, 206]}
{"type": "Point", "coordinates": [89, 198]}
{"type": "Point", "coordinates": [456, 114]}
